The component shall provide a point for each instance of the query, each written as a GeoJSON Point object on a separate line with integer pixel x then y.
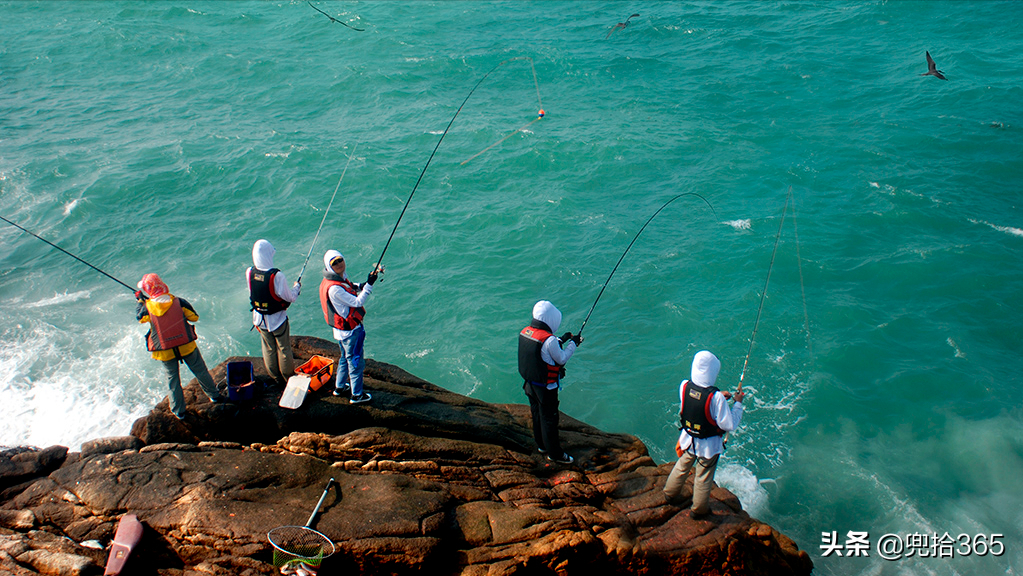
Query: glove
{"type": "Point", "coordinates": [297, 288]}
{"type": "Point", "coordinates": [566, 336]}
{"type": "Point", "coordinates": [578, 339]}
{"type": "Point", "coordinates": [371, 278]}
{"type": "Point", "coordinates": [140, 296]}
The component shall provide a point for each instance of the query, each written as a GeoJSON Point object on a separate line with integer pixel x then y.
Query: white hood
{"type": "Point", "coordinates": [545, 312]}
{"type": "Point", "coordinates": [705, 369]}
{"type": "Point", "coordinates": [263, 255]}
{"type": "Point", "coordinates": [328, 256]}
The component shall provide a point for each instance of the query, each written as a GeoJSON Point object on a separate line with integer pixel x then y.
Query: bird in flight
{"type": "Point", "coordinates": [620, 25]}
{"type": "Point", "coordinates": [332, 19]}
{"type": "Point", "coordinates": [932, 69]}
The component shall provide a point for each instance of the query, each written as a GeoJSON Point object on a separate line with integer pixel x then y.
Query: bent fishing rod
{"type": "Point", "coordinates": [69, 254]}
{"type": "Point", "coordinates": [331, 203]}
{"type": "Point", "coordinates": [421, 174]}
{"type": "Point", "coordinates": [636, 237]}
{"type": "Point", "coordinates": [763, 295]}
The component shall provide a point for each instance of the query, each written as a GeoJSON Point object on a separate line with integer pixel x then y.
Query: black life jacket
{"type": "Point", "coordinates": [695, 417]}
{"type": "Point", "coordinates": [355, 315]}
{"type": "Point", "coordinates": [532, 367]}
{"type": "Point", "coordinates": [262, 296]}
{"type": "Point", "coordinates": [170, 330]}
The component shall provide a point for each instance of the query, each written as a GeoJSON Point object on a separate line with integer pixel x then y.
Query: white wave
{"type": "Point", "coordinates": [739, 224]}
{"type": "Point", "coordinates": [740, 481]}
{"type": "Point", "coordinates": [60, 299]}
{"type": "Point", "coordinates": [952, 343]}
{"type": "Point", "coordinates": [62, 389]}
{"type": "Point", "coordinates": [71, 206]}
{"type": "Point", "coordinates": [418, 354]}
{"type": "Point", "coordinates": [1006, 229]}
{"type": "Point", "coordinates": [475, 382]}
{"type": "Point", "coordinates": [875, 185]}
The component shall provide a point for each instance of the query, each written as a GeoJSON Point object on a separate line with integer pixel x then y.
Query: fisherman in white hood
{"type": "Point", "coordinates": [270, 296]}
{"type": "Point", "coordinates": [704, 418]}
{"type": "Point", "coordinates": [343, 303]}
{"type": "Point", "coordinates": [542, 358]}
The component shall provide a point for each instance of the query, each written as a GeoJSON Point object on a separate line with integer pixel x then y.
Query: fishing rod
{"type": "Point", "coordinates": [636, 237]}
{"type": "Point", "coordinates": [763, 295]}
{"type": "Point", "coordinates": [68, 253]}
{"type": "Point", "coordinates": [356, 147]}
{"type": "Point", "coordinates": [421, 174]}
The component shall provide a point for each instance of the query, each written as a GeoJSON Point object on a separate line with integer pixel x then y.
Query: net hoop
{"type": "Point", "coordinates": [294, 544]}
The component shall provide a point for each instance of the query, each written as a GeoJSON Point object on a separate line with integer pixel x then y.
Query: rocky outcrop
{"type": "Point", "coordinates": [427, 480]}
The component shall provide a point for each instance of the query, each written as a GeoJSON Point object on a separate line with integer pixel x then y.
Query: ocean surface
{"type": "Point", "coordinates": [884, 376]}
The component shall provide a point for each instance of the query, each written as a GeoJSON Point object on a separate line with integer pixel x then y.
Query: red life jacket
{"type": "Point", "coordinates": [695, 416]}
{"type": "Point", "coordinates": [532, 367]}
{"type": "Point", "coordinates": [170, 330]}
{"type": "Point", "coordinates": [262, 295]}
{"type": "Point", "coordinates": [355, 315]}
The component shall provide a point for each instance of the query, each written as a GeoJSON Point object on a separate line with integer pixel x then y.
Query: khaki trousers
{"type": "Point", "coordinates": [703, 480]}
{"type": "Point", "coordinates": [277, 355]}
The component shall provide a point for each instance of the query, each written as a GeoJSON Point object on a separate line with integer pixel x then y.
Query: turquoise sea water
{"type": "Point", "coordinates": [168, 137]}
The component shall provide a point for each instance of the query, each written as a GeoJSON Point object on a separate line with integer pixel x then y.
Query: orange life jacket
{"type": "Point", "coordinates": [170, 330]}
{"type": "Point", "coordinates": [355, 315]}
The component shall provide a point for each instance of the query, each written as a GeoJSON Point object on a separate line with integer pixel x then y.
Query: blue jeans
{"type": "Point", "coordinates": [351, 364]}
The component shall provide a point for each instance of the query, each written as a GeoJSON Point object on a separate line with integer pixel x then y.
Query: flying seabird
{"type": "Point", "coordinates": [932, 69]}
{"type": "Point", "coordinates": [620, 25]}
{"type": "Point", "coordinates": [332, 19]}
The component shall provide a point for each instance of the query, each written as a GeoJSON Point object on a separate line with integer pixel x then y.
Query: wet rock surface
{"type": "Point", "coordinates": [426, 480]}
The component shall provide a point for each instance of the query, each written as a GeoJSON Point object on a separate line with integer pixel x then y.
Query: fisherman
{"type": "Point", "coordinates": [542, 358]}
{"type": "Point", "coordinates": [704, 418]}
{"type": "Point", "coordinates": [270, 296]}
{"type": "Point", "coordinates": [343, 304]}
{"type": "Point", "coordinates": [171, 339]}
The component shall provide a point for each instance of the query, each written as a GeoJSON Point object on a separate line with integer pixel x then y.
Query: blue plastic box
{"type": "Point", "coordinates": [240, 380]}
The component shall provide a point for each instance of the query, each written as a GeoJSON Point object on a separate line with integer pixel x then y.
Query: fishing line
{"type": "Point", "coordinates": [421, 174]}
{"type": "Point", "coordinates": [327, 212]}
{"type": "Point", "coordinates": [539, 116]}
{"type": "Point", "coordinates": [802, 285]}
{"type": "Point", "coordinates": [763, 295]}
{"type": "Point", "coordinates": [516, 131]}
{"type": "Point", "coordinates": [636, 237]}
{"type": "Point", "coordinates": [68, 253]}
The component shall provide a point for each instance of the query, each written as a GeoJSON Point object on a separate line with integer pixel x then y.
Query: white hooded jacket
{"type": "Point", "coordinates": [551, 352]}
{"type": "Point", "coordinates": [263, 259]}
{"type": "Point", "coordinates": [705, 373]}
{"type": "Point", "coordinates": [339, 297]}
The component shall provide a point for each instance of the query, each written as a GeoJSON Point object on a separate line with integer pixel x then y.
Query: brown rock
{"type": "Point", "coordinates": [59, 564]}
{"type": "Point", "coordinates": [427, 481]}
{"type": "Point", "coordinates": [20, 464]}
{"type": "Point", "coordinates": [17, 519]}
{"type": "Point", "coordinates": [110, 445]}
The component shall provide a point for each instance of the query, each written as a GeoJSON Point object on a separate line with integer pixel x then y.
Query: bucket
{"type": "Point", "coordinates": [240, 381]}
{"type": "Point", "coordinates": [320, 370]}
